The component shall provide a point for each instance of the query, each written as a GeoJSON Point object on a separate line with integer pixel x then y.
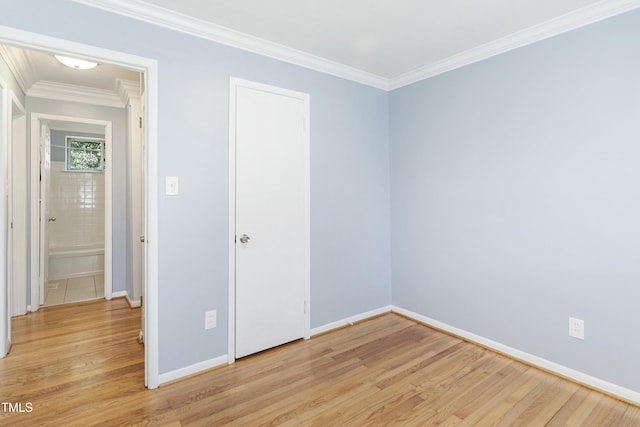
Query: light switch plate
{"type": "Point", "coordinates": [171, 185]}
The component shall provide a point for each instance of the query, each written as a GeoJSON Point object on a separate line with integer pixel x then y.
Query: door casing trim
{"type": "Point", "coordinates": [19, 232]}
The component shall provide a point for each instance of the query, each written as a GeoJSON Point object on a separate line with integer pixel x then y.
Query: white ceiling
{"type": "Point", "coordinates": [383, 37]}
{"type": "Point", "coordinates": [44, 67]}
{"type": "Point", "coordinates": [381, 43]}
{"type": "Point", "coordinates": [39, 74]}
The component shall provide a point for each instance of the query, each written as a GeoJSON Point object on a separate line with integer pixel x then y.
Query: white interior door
{"type": "Point", "coordinates": [271, 247]}
{"type": "Point", "coordinates": [45, 183]}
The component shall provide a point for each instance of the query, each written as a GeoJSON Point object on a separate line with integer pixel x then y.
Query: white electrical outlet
{"type": "Point", "coordinates": [576, 328]}
{"type": "Point", "coordinates": [210, 319]}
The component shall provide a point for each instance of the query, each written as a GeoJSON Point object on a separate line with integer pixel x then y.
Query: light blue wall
{"type": "Point", "coordinates": [118, 118]}
{"type": "Point", "coordinates": [515, 189]}
{"type": "Point", "coordinates": [350, 246]}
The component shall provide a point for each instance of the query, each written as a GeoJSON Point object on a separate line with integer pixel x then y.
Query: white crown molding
{"type": "Point", "coordinates": [140, 10]}
{"type": "Point", "coordinates": [19, 65]}
{"type": "Point", "coordinates": [127, 89]}
{"type": "Point", "coordinates": [160, 16]}
{"type": "Point", "coordinates": [587, 15]}
{"type": "Point", "coordinates": [74, 93]}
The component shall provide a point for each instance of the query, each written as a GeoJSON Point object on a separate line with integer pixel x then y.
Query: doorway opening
{"type": "Point", "coordinates": [148, 68]}
{"type": "Point", "coordinates": [71, 163]}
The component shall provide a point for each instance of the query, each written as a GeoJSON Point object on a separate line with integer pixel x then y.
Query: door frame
{"type": "Point", "coordinates": [149, 67]}
{"type": "Point", "coordinates": [18, 212]}
{"type": "Point", "coordinates": [37, 120]}
{"type": "Point", "coordinates": [135, 169]}
{"type": "Point", "coordinates": [5, 311]}
{"type": "Point", "coordinates": [234, 84]}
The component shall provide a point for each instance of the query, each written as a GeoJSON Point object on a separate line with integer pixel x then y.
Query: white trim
{"type": "Point", "coordinates": [193, 369]}
{"type": "Point", "coordinates": [350, 320]}
{"type": "Point", "coordinates": [149, 66]}
{"type": "Point", "coordinates": [108, 214]}
{"type": "Point", "coordinates": [307, 215]}
{"type": "Point", "coordinates": [231, 318]}
{"type": "Point", "coordinates": [34, 272]}
{"type": "Point", "coordinates": [119, 294]}
{"type": "Point", "coordinates": [19, 65]}
{"type": "Point", "coordinates": [151, 329]}
{"type": "Point", "coordinates": [5, 311]}
{"type": "Point", "coordinates": [75, 93]}
{"type": "Point", "coordinates": [234, 83]}
{"type": "Point", "coordinates": [127, 89]}
{"type": "Point", "coordinates": [132, 303]}
{"type": "Point", "coordinates": [548, 365]}
{"type": "Point", "coordinates": [176, 21]}
{"type": "Point", "coordinates": [166, 18]}
{"type": "Point", "coordinates": [19, 211]}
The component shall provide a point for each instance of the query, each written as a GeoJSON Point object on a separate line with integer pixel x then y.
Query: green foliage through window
{"type": "Point", "coordinates": [85, 154]}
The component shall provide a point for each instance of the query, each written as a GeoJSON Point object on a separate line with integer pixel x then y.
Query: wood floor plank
{"type": "Point", "coordinates": [496, 404]}
{"type": "Point", "coordinates": [630, 417]}
{"type": "Point", "coordinates": [80, 365]}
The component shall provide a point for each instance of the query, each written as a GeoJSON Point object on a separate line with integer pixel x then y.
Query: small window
{"type": "Point", "coordinates": [85, 154]}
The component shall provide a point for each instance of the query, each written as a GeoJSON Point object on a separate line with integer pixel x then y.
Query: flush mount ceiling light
{"type": "Point", "coordinates": [78, 64]}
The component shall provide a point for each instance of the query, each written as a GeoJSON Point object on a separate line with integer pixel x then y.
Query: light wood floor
{"type": "Point", "coordinates": [80, 365]}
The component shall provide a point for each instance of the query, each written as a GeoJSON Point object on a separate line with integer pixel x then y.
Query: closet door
{"type": "Point", "coordinates": [271, 217]}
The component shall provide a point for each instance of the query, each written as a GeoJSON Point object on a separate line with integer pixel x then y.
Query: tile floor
{"type": "Point", "coordinates": [64, 291]}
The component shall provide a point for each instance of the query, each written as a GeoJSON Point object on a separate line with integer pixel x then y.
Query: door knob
{"type": "Point", "coordinates": [52, 218]}
{"type": "Point", "coordinates": [244, 238]}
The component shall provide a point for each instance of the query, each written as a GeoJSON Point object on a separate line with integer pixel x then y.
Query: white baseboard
{"type": "Point", "coordinates": [563, 371]}
{"type": "Point", "coordinates": [193, 369]}
{"type": "Point", "coordinates": [118, 294]}
{"type": "Point", "coordinates": [132, 304]}
{"type": "Point", "coordinates": [350, 320]}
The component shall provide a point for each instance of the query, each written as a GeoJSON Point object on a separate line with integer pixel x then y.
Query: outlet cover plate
{"type": "Point", "coordinates": [576, 328]}
{"type": "Point", "coordinates": [210, 319]}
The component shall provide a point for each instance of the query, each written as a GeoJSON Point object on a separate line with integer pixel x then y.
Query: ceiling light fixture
{"type": "Point", "coordinates": [77, 64]}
